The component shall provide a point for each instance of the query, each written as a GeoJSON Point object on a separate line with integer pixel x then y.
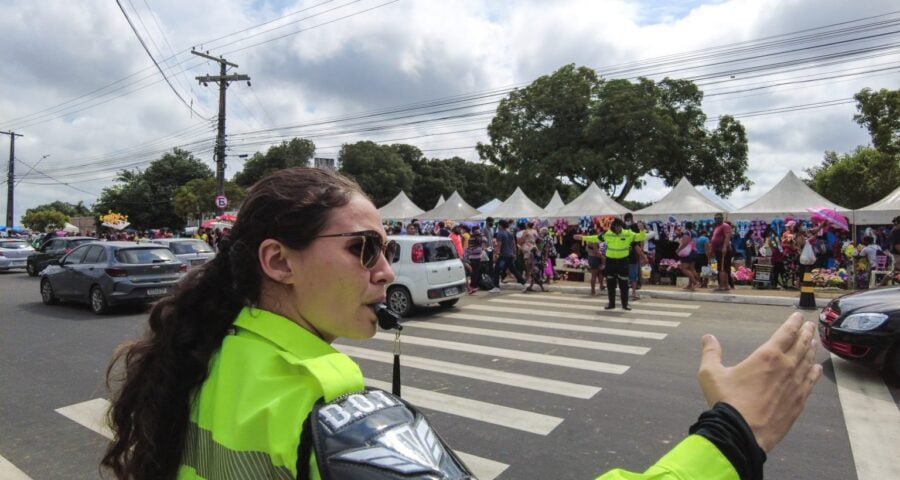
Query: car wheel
{"type": "Point", "coordinates": [47, 295]}
{"type": "Point", "coordinates": [32, 272]}
{"type": "Point", "coordinates": [99, 305]}
{"type": "Point", "coordinates": [400, 301]}
{"type": "Point", "coordinates": [449, 303]}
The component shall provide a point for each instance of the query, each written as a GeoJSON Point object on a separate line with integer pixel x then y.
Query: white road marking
{"type": "Point", "coordinates": [483, 468]}
{"type": "Point", "coordinates": [529, 337]}
{"type": "Point", "coordinates": [595, 308]}
{"type": "Point", "coordinates": [523, 420]}
{"type": "Point", "coordinates": [8, 471]}
{"type": "Point", "coordinates": [557, 326]}
{"type": "Point", "coordinates": [546, 385]}
{"type": "Point", "coordinates": [602, 318]}
{"type": "Point", "coordinates": [569, 362]}
{"type": "Point", "coordinates": [872, 418]}
{"type": "Point", "coordinates": [90, 414]}
{"type": "Point", "coordinates": [601, 300]}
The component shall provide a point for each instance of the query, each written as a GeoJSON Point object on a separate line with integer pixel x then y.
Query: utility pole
{"type": "Point", "coordinates": [223, 80]}
{"type": "Point", "coordinates": [10, 179]}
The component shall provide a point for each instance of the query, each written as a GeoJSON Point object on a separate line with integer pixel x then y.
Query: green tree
{"type": "Point", "coordinates": [69, 209]}
{"type": "Point", "coordinates": [44, 219]}
{"type": "Point", "coordinates": [295, 153]}
{"type": "Point", "coordinates": [879, 112]}
{"type": "Point", "coordinates": [147, 196]}
{"type": "Point", "coordinates": [571, 125]}
{"type": "Point", "coordinates": [856, 179]}
{"type": "Point", "coordinates": [378, 169]}
{"type": "Point", "coordinates": [197, 198]}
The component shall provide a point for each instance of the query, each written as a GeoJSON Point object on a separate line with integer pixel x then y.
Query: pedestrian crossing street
{"type": "Point", "coordinates": [557, 345]}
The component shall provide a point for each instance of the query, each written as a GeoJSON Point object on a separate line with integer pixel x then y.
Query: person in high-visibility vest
{"type": "Point", "coordinates": [238, 359]}
{"type": "Point", "coordinates": [619, 242]}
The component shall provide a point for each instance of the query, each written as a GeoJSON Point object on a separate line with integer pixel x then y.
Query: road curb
{"type": "Point", "coordinates": [689, 296]}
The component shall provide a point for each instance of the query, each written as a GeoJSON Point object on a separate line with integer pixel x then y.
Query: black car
{"type": "Point", "coordinates": [864, 327]}
{"type": "Point", "coordinates": [52, 249]}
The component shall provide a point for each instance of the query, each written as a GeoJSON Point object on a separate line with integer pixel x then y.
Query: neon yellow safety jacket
{"type": "Point", "coordinates": [262, 384]}
{"type": "Point", "coordinates": [617, 244]}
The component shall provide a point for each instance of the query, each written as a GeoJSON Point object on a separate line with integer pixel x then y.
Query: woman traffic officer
{"type": "Point", "coordinates": [223, 383]}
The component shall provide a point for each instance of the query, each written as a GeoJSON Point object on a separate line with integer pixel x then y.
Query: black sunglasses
{"type": "Point", "coordinates": [371, 247]}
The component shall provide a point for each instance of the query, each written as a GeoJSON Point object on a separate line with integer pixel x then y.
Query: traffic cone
{"type": "Point", "coordinates": [807, 293]}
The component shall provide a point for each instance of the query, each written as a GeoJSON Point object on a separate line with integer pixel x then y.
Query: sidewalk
{"type": "Point", "coordinates": [742, 294]}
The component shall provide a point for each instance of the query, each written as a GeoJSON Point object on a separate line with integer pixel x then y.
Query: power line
{"type": "Point", "coordinates": [161, 72]}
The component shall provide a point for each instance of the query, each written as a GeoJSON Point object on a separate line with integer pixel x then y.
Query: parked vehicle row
{"type": "Point", "coordinates": [427, 270]}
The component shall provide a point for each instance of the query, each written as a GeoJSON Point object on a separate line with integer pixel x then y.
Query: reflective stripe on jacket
{"type": "Point", "coordinates": [263, 382]}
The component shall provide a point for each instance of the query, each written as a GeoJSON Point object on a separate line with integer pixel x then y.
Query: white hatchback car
{"type": "Point", "coordinates": [427, 270]}
{"type": "Point", "coordinates": [190, 251]}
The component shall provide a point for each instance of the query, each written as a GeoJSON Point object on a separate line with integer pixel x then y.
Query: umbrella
{"type": "Point", "coordinates": [822, 214]}
{"type": "Point", "coordinates": [214, 224]}
{"type": "Point", "coordinates": [227, 217]}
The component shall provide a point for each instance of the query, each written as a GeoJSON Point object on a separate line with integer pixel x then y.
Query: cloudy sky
{"type": "Point", "coordinates": [89, 100]}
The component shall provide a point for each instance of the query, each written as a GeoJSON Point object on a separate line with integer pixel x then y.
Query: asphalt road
{"type": "Point", "coordinates": [524, 385]}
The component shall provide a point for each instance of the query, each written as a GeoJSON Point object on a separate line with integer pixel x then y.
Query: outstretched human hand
{"type": "Point", "coordinates": [771, 385]}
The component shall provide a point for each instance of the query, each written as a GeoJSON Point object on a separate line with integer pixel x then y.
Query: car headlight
{"type": "Point", "coordinates": [863, 321]}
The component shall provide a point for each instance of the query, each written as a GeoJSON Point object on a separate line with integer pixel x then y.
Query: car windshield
{"type": "Point", "coordinates": [440, 251]}
{"type": "Point", "coordinates": [14, 245]}
{"type": "Point", "coordinates": [190, 247]}
{"type": "Point", "coordinates": [137, 256]}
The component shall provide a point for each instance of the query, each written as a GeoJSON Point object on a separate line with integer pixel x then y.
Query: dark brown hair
{"type": "Point", "coordinates": [150, 412]}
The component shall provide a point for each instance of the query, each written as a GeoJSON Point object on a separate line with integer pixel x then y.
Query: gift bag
{"type": "Point", "coordinates": [548, 269]}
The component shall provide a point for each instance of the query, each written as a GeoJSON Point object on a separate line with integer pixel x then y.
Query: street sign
{"type": "Point", "coordinates": [221, 201]}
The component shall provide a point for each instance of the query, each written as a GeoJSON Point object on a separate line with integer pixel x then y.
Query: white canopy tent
{"type": "Point", "coordinates": [592, 201]}
{"type": "Point", "coordinates": [791, 197]}
{"type": "Point", "coordinates": [400, 208]}
{"type": "Point", "coordinates": [721, 202]}
{"type": "Point", "coordinates": [490, 206]}
{"type": "Point", "coordinates": [440, 201]}
{"type": "Point", "coordinates": [454, 208]}
{"type": "Point", "coordinates": [518, 205]}
{"type": "Point", "coordinates": [684, 202]}
{"type": "Point", "coordinates": [880, 212]}
{"type": "Point", "coordinates": [555, 204]}
{"type": "Point", "coordinates": [69, 228]}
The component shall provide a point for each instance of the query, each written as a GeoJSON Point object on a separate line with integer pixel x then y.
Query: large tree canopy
{"type": "Point", "coordinates": [378, 169]}
{"type": "Point", "coordinates": [146, 196]}
{"type": "Point", "coordinates": [857, 179]}
{"type": "Point", "coordinates": [68, 209]}
{"type": "Point", "coordinates": [295, 153]}
{"type": "Point", "coordinates": [44, 219]}
{"type": "Point", "coordinates": [572, 125]}
{"type": "Point", "coordinates": [879, 112]}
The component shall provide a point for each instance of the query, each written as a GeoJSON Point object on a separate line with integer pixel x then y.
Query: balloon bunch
{"type": "Point", "coordinates": [758, 227]}
{"type": "Point", "coordinates": [707, 224]}
{"type": "Point", "coordinates": [672, 228]}
{"type": "Point", "coordinates": [560, 228]}
{"type": "Point", "coordinates": [742, 227]}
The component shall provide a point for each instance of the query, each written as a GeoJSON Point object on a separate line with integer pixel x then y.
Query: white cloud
{"type": "Point", "coordinates": [406, 52]}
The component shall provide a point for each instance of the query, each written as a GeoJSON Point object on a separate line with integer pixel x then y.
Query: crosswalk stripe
{"type": "Point", "coordinates": [602, 318]}
{"type": "Point", "coordinates": [8, 471]}
{"type": "Point", "coordinates": [558, 326]}
{"type": "Point", "coordinates": [596, 307]}
{"type": "Point", "coordinates": [596, 300]}
{"type": "Point", "coordinates": [528, 337]}
{"type": "Point", "coordinates": [546, 385]}
{"type": "Point", "coordinates": [90, 414]}
{"type": "Point", "coordinates": [483, 468]}
{"type": "Point", "coordinates": [569, 362]}
{"type": "Point", "coordinates": [475, 409]}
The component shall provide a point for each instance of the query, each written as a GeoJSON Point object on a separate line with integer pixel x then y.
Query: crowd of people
{"type": "Point", "coordinates": [521, 252]}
